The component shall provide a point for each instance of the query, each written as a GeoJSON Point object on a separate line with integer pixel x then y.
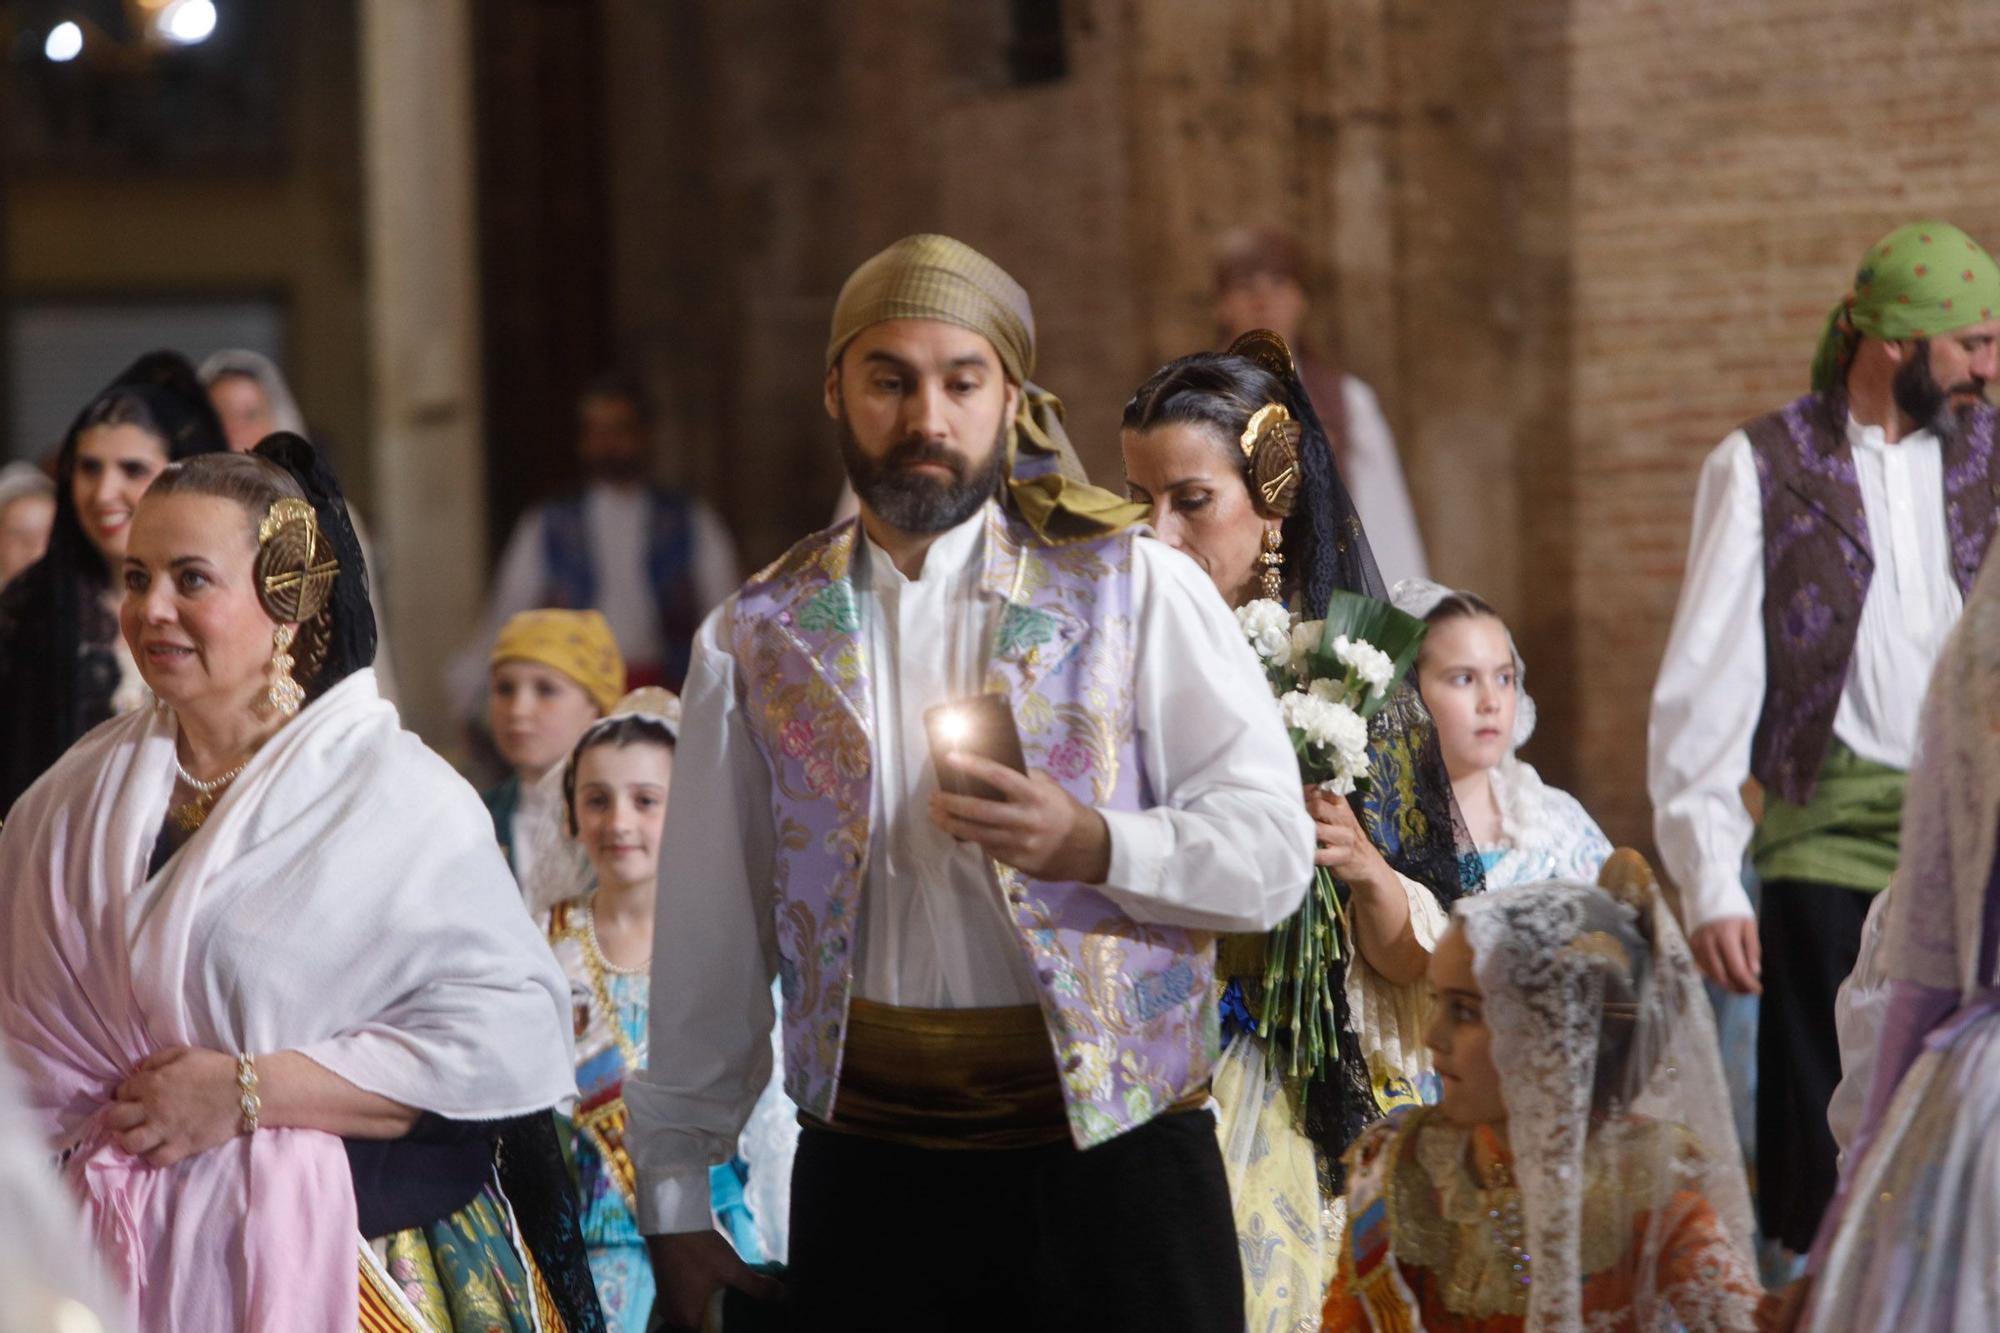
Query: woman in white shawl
{"type": "Point", "coordinates": [1472, 679]}
{"type": "Point", "coordinates": [271, 990]}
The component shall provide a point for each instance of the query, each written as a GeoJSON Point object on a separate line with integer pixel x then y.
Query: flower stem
{"type": "Point", "coordinates": [1300, 1012]}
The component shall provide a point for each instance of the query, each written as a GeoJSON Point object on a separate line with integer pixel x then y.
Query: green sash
{"type": "Point", "coordinates": [1847, 835]}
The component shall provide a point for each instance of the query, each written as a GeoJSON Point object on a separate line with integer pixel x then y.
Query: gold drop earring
{"type": "Point", "coordinates": [1273, 561]}
{"type": "Point", "coordinates": [284, 694]}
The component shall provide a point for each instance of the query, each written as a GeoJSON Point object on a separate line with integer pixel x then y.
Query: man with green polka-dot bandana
{"type": "Point", "coordinates": [1834, 542]}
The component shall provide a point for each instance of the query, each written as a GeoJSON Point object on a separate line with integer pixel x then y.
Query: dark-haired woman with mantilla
{"type": "Point", "coordinates": [266, 974]}
{"type": "Point", "coordinates": [63, 667]}
{"type": "Point", "coordinates": [1226, 450]}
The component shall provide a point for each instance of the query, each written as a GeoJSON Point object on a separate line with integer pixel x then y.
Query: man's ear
{"type": "Point", "coordinates": [1899, 349]}
{"type": "Point", "coordinates": [1013, 400]}
{"type": "Point", "coordinates": [833, 391]}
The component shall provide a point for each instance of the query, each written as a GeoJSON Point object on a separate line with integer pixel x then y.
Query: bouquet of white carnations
{"type": "Point", "coordinates": [1330, 676]}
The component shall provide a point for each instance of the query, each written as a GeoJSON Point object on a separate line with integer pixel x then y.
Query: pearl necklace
{"type": "Point", "coordinates": [191, 815]}
{"type": "Point", "coordinates": [597, 964]}
{"type": "Point", "coordinates": [590, 927]}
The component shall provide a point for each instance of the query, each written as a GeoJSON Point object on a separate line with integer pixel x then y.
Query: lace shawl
{"type": "Point", "coordinates": [1547, 832]}
{"type": "Point", "coordinates": [1597, 1013]}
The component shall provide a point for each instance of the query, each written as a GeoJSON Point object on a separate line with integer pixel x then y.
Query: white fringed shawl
{"type": "Point", "coordinates": [346, 900]}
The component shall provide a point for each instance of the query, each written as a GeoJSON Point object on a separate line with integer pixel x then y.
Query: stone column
{"type": "Point", "coordinates": [426, 512]}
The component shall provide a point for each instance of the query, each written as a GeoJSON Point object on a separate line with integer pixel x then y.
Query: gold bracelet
{"type": "Point", "coordinates": [246, 1086]}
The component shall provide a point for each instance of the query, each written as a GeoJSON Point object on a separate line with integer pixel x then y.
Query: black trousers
{"type": "Point", "coordinates": [1810, 935]}
{"type": "Point", "coordinates": [1132, 1234]}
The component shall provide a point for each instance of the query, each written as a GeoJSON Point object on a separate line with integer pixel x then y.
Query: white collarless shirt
{"type": "Point", "coordinates": [1710, 691]}
{"type": "Point", "coordinates": [934, 931]}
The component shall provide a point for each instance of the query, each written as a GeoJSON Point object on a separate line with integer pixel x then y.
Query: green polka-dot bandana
{"type": "Point", "coordinates": [1919, 281]}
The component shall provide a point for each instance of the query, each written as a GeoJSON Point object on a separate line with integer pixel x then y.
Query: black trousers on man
{"type": "Point", "coordinates": [1133, 1234]}
{"type": "Point", "coordinates": [1810, 934]}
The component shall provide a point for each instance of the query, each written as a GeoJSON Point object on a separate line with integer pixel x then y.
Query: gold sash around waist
{"type": "Point", "coordinates": [952, 1078]}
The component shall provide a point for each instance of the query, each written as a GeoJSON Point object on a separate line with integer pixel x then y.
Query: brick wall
{"type": "Point", "coordinates": [1570, 243]}
{"type": "Point", "coordinates": [1730, 163]}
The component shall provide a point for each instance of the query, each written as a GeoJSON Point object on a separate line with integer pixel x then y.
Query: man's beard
{"type": "Point", "coordinates": [911, 502]}
{"type": "Point", "coordinates": [1926, 402]}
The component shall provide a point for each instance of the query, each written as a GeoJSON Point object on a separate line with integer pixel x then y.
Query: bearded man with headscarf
{"type": "Point", "coordinates": [998, 1013]}
{"type": "Point", "coordinates": [1834, 543]}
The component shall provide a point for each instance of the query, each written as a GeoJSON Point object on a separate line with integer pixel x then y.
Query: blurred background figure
{"type": "Point", "coordinates": [651, 559]}
{"type": "Point", "coordinates": [251, 397]}
{"type": "Point", "coordinates": [64, 667]}
{"type": "Point", "coordinates": [1260, 283]}
{"type": "Point", "coordinates": [27, 512]}
{"type": "Point", "coordinates": [553, 674]}
{"type": "Point", "coordinates": [252, 400]}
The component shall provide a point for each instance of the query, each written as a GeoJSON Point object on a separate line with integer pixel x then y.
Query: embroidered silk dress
{"type": "Point", "coordinates": [1432, 1218]}
{"type": "Point", "coordinates": [609, 1004]}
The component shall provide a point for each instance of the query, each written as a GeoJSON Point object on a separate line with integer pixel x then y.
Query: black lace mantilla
{"type": "Point", "coordinates": [536, 1180]}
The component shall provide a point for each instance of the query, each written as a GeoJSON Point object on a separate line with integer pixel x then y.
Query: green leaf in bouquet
{"type": "Point", "coordinates": [1394, 632]}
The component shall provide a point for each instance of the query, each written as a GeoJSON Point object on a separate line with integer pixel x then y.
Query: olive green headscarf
{"type": "Point", "coordinates": [935, 277]}
{"type": "Point", "coordinates": [1919, 281]}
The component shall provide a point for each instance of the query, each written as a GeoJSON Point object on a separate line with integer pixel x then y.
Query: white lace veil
{"type": "Point", "coordinates": [560, 869]}
{"type": "Point", "coordinates": [1419, 597]}
{"type": "Point", "coordinates": [1599, 1025]}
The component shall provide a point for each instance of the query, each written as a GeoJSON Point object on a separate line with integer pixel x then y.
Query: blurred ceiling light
{"type": "Point", "coordinates": [65, 42]}
{"type": "Point", "coordinates": [186, 22]}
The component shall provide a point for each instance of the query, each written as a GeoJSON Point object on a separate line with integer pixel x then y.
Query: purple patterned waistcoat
{"type": "Point", "coordinates": [1818, 564]}
{"type": "Point", "coordinates": [1131, 1024]}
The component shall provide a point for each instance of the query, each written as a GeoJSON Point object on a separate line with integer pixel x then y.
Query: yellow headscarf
{"type": "Point", "coordinates": [935, 277]}
{"type": "Point", "coordinates": [577, 643]}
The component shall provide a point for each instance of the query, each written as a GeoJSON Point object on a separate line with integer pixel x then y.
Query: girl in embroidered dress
{"type": "Point", "coordinates": [1473, 682]}
{"type": "Point", "coordinates": [1226, 450]}
{"type": "Point", "coordinates": [1620, 1204]}
{"type": "Point", "coordinates": [599, 882]}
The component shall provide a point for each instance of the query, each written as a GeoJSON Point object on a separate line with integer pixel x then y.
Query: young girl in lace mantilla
{"type": "Point", "coordinates": [1620, 1202]}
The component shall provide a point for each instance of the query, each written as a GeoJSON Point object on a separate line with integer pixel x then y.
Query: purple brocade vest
{"type": "Point", "coordinates": [1818, 563]}
{"type": "Point", "coordinates": [1131, 1022]}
